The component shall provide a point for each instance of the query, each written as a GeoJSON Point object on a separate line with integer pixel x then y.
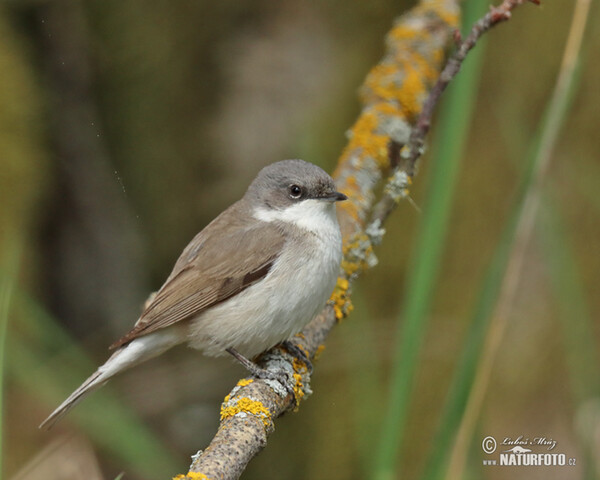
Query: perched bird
{"type": "Point", "coordinates": [254, 277]}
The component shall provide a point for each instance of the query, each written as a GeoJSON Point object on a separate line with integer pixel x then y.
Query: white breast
{"type": "Point", "coordinates": [293, 292]}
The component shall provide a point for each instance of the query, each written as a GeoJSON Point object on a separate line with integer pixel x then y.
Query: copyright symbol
{"type": "Point", "coordinates": [489, 445]}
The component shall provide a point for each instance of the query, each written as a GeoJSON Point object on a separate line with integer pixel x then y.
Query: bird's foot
{"type": "Point", "coordinates": [298, 352]}
{"type": "Point", "coordinates": [279, 375]}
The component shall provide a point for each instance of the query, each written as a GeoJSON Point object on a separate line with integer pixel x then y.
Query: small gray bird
{"type": "Point", "coordinates": [254, 277]}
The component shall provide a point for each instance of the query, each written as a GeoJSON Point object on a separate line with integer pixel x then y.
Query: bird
{"type": "Point", "coordinates": [251, 279]}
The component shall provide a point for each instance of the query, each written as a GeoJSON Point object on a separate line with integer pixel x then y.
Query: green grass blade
{"type": "Point", "coordinates": [467, 367]}
{"type": "Point", "coordinates": [365, 379]}
{"type": "Point", "coordinates": [46, 362]}
{"type": "Point", "coordinates": [8, 275]}
{"type": "Point", "coordinates": [577, 324]}
{"type": "Point", "coordinates": [574, 313]}
{"type": "Point", "coordinates": [476, 362]}
{"type": "Point", "coordinates": [451, 134]}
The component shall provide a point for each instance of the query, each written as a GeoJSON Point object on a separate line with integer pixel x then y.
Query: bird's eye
{"type": "Point", "coordinates": [295, 191]}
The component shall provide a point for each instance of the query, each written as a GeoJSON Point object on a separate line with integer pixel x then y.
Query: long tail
{"type": "Point", "coordinates": [138, 351]}
{"type": "Point", "coordinates": [96, 380]}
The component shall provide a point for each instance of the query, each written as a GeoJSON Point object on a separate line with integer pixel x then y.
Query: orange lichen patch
{"type": "Point", "coordinates": [393, 95]}
{"type": "Point", "coordinates": [388, 109]}
{"type": "Point", "coordinates": [342, 306]}
{"type": "Point", "coordinates": [403, 32]}
{"type": "Point", "coordinates": [408, 29]}
{"type": "Point", "coordinates": [245, 382]}
{"type": "Point", "coordinates": [437, 57]}
{"type": "Point", "coordinates": [304, 350]}
{"type": "Point", "coordinates": [350, 267]}
{"type": "Point", "coordinates": [356, 254]}
{"type": "Point", "coordinates": [448, 11]}
{"type": "Point", "coordinates": [247, 406]}
{"type": "Point", "coordinates": [384, 81]}
{"type": "Point", "coordinates": [413, 60]}
{"type": "Point", "coordinates": [350, 208]}
{"type": "Point", "coordinates": [402, 83]}
{"type": "Point", "coordinates": [365, 139]}
{"type": "Point", "coordinates": [191, 475]}
{"type": "Point", "coordinates": [320, 350]}
{"type": "Point", "coordinates": [451, 18]}
{"type": "Point", "coordinates": [412, 93]}
{"type": "Point", "coordinates": [419, 77]}
{"type": "Point", "coordinates": [351, 186]}
{"type": "Point", "coordinates": [353, 206]}
{"type": "Point", "coordinates": [380, 71]}
{"type": "Point", "coordinates": [298, 389]}
{"type": "Point", "coordinates": [299, 366]}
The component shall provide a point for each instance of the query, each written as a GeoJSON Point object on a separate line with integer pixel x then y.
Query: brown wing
{"type": "Point", "coordinates": [221, 261]}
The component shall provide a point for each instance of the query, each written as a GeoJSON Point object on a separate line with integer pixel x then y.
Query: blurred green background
{"type": "Point", "coordinates": [125, 127]}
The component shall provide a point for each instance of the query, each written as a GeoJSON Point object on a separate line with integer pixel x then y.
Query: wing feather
{"type": "Point", "coordinates": [221, 261]}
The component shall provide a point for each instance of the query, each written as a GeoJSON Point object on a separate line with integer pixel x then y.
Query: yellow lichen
{"type": "Point", "coordinates": [447, 11]}
{"type": "Point", "coordinates": [192, 475]}
{"type": "Point", "coordinates": [351, 185]}
{"type": "Point", "coordinates": [245, 382]}
{"type": "Point", "coordinates": [299, 368]}
{"type": "Point", "coordinates": [403, 78]}
{"type": "Point", "coordinates": [387, 108]}
{"type": "Point", "coordinates": [437, 57]}
{"type": "Point", "coordinates": [350, 208]}
{"type": "Point", "coordinates": [197, 476]}
{"type": "Point", "coordinates": [365, 140]}
{"type": "Point", "coordinates": [420, 75]}
{"type": "Point", "coordinates": [403, 32]}
{"type": "Point", "coordinates": [304, 351]}
{"type": "Point", "coordinates": [299, 365]}
{"type": "Point", "coordinates": [320, 350]}
{"type": "Point", "coordinates": [404, 82]}
{"type": "Point", "coordinates": [248, 406]}
{"type": "Point", "coordinates": [450, 16]}
{"type": "Point", "coordinates": [342, 306]}
{"type": "Point", "coordinates": [356, 254]}
{"type": "Point", "coordinates": [298, 389]}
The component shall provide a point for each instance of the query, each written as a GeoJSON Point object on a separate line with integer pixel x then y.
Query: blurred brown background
{"type": "Point", "coordinates": [125, 127]}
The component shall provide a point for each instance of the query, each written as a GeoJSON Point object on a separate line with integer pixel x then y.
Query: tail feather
{"type": "Point", "coordinates": [96, 380]}
{"type": "Point", "coordinates": [138, 351]}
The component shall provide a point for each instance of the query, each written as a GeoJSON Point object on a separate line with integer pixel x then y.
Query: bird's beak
{"type": "Point", "coordinates": [334, 197]}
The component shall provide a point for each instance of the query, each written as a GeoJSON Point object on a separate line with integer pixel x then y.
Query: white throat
{"type": "Point", "coordinates": [316, 216]}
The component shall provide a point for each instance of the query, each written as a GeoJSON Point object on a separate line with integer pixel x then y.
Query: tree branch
{"type": "Point", "coordinates": [399, 96]}
{"type": "Point", "coordinates": [398, 184]}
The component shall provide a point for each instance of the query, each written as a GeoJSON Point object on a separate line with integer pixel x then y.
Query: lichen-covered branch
{"type": "Point", "coordinates": [408, 153]}
{"type": "Point", "coordinates": [396, 96]}
{"type": "Point", "coordinates": [494, 16]}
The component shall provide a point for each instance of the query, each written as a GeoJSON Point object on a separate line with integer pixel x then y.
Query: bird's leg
{"type": "Point", "coordinates": [297, 352]}
{"type": "Point", "coordinates": [249, 365]}
{"type": "Point", "coordinates": [280, 376]}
